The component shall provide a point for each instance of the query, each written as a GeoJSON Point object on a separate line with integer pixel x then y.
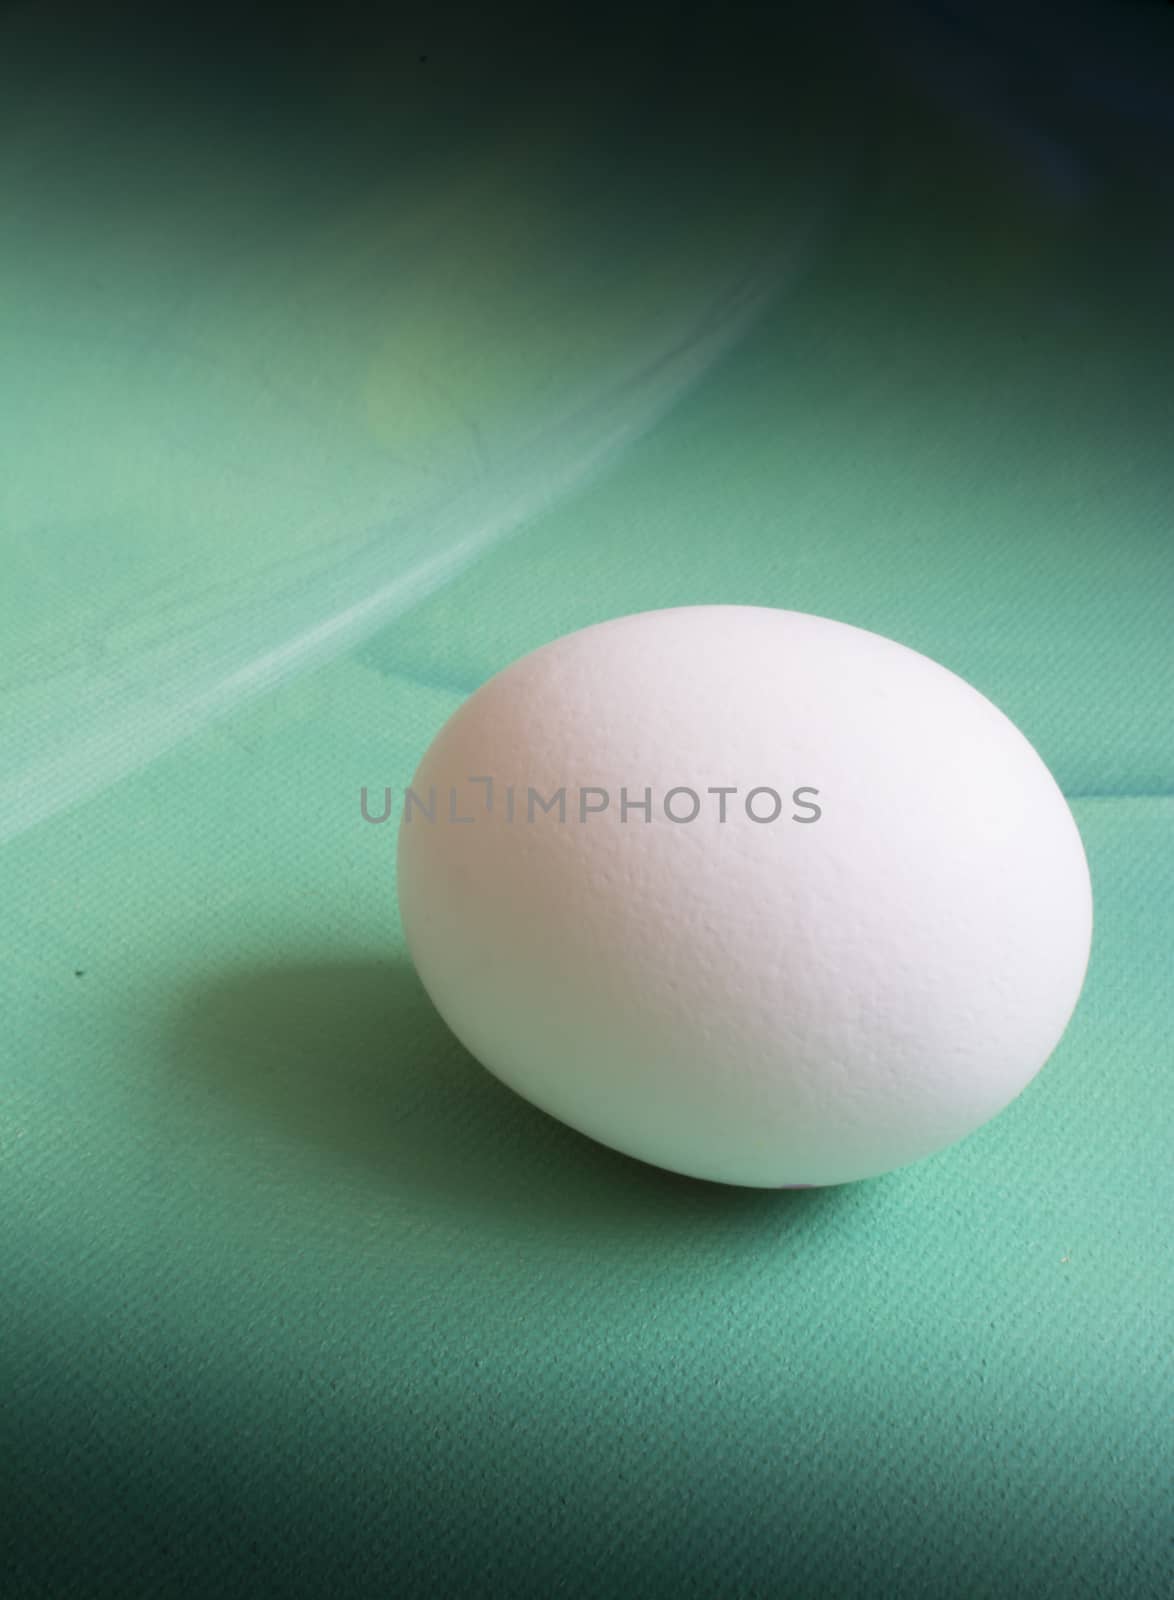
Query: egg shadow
{"type": "Point", "coordinates": [352, 1058]}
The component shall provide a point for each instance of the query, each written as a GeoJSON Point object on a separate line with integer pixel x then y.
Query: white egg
{"type": "Point", "coordinates": [859, 945]}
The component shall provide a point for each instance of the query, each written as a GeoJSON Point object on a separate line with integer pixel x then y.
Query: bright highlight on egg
{"type": "Point", "coordinates": [752, 895]}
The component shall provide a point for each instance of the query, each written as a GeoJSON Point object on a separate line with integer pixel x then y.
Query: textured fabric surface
{"type": "Point", "coordinates": [339, 369]}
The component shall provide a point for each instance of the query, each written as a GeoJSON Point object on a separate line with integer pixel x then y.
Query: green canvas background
{"type": "Point", "coordinates": [295, 1298]}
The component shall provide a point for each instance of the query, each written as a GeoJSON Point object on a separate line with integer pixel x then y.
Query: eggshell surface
{"type": "Point", "coordinates": [802, 994]}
